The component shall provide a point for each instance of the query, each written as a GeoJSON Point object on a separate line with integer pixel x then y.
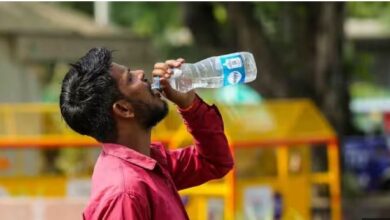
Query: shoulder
{"type": "Point", "coordinates": [157, 146]}
{"type": "Point", "coordinates": [117, 205]}
{"type": "Point", "coordinates": [115, 178]}
{"type": "Point", "coordinates": [158, 152]}
{"type": "Point", "coordinates": [124, 177]}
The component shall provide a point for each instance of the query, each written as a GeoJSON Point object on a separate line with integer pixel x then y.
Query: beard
{"type": "Point", "coordinates": [149, 114]}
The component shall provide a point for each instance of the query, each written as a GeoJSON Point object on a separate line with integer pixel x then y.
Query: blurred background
{"type": "Point", "coordinates": [310, 135]}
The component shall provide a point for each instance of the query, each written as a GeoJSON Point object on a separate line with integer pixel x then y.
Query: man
{"type": "Point", "coordinates": [134, 178]}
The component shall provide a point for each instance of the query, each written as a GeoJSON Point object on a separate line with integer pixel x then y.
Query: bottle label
{"type": "Point", "coordinates": [233, 69]}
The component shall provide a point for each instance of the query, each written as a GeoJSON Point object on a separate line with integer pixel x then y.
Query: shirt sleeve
{"type": "Point", "coordinates": [124, 206]}
{"type": "Point", "coordinates": [210, 156]}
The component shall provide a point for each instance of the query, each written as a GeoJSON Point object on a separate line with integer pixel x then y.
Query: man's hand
{"type": "Point", "coordinates": [164, 71]}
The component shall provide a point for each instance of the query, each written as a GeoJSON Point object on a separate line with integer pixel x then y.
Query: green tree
{"type": "Point", "coordinates": [298, 48]}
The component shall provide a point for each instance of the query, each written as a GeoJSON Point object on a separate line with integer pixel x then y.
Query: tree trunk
{"type": "Point", "coordinates": [271, 80]}
{"type": "Point", "coordinates": [331, 81]}
{"type": "Point", "coordinates": [200, 19]}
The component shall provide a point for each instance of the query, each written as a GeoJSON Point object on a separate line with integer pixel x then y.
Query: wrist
{"type": "Point", "coordinates": [187, 103]}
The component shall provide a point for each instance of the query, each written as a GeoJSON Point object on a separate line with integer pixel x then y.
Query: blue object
{"type": "Point", "coordinates": [233, 69]}
{"type": "Point", "coordinates": [278, 203]}
{"type": "Point", "coordinates": [185, 200]}
{"type": "Point", "coordinates": [369, 159]}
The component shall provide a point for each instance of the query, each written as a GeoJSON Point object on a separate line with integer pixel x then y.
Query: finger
{"type": "Point", "coordinates": [173, 63]}
{"type": "Point", "coordinates": [164, 83]}
{"type": "Point", "coordinates": [165, 67]}
{"type": "Point", "coordinates": [166, 87]}
{"type": "Point", "coordinates": [161, 66]}
{"type": "Point", "coordinates": [181, 60]}
{"type": "Point", "coordinates": [160, 72]}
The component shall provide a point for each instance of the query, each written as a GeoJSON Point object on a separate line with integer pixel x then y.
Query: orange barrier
{"type": "Point", "coordinates": [272, 142]}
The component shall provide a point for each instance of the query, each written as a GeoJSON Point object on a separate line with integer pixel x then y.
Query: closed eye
{"type": "Point", "coordinates": [129, 75]}
{"type": "Point", "coordinates": [144, 79]}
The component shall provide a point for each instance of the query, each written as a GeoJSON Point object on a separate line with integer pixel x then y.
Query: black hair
{"type": "Point", "coordinates": [87, 94]}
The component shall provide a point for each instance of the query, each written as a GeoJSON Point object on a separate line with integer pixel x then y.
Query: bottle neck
{"type": "Point", "coordinates": [177, 72]}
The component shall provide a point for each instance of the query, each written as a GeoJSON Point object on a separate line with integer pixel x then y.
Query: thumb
{"type": "Point", "coordinates": [167, 88]}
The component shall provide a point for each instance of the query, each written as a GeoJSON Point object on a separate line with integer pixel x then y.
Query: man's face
{"type": "Point", "coordinates": [149, 108]}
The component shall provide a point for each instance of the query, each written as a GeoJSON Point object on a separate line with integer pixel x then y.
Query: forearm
{"type": "Point", "coordinates": [205, 124]}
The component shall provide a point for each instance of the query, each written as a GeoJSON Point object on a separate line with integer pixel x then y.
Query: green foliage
{"type": "Point", "coordinates": [269, 15]}
{"type": "Point", "coordinates": [154, 20]}
{"type": "Point", "coordinates": [368, 9]}
{"type": "Point", "coordinates": [146, 18]}
{"type": "Point", "coordinates": [358, 63]}
{"type": "Point", "coordinates": [367, 90]}
{"type": "Point", "coordinates": [84, 7]}
{"type": "Point", "coordinates": [282, 23]}
{"type": "Point", "coordinates": [220, 13]}
{"type": "Point", "coordinates": [362, 66]}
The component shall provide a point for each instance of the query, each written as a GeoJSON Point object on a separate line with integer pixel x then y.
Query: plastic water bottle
{"type": "Point", "coordinates": [213, 72]}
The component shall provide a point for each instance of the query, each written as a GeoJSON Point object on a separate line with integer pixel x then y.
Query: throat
{"type": "Point", "coordinates": [138, 140]}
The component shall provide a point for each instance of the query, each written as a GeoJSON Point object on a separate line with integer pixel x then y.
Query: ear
{"type": "Point", "coordinates": [123, 109]}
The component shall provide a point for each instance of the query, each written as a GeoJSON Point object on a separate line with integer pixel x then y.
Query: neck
{"type": "Point", "coordinates": [135, 138]}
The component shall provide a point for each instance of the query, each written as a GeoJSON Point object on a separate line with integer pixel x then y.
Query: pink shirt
{"type": "Point", "coordinates": [129, 185]}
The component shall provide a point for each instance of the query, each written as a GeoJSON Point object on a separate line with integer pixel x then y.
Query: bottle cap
{"type": "Point", "coordinates": [156, 83]}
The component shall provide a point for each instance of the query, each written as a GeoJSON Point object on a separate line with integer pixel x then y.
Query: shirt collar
{"type": "Point", "coordinates": [129, 155]}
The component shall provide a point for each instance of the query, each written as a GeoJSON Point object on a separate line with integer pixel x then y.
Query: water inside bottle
{"type": "Point", "coordinates": [207, 73]}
